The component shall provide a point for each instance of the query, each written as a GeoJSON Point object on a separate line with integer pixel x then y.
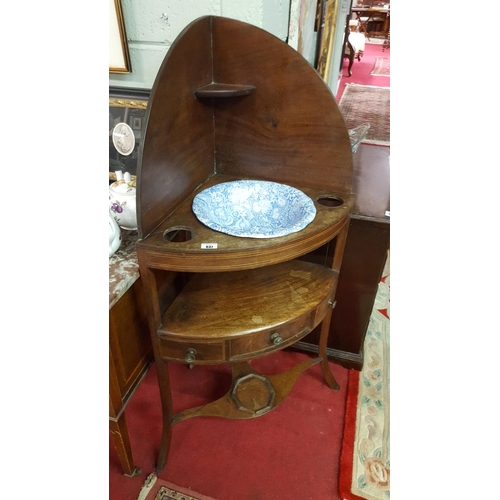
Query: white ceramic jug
{"type": "Point", "coordinates": [122, 201]}
{"type": "Point", "coordinates": [115, 236]}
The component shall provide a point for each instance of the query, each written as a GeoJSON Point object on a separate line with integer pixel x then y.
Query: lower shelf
{"type": "Point", "coordinates": [232, 316]}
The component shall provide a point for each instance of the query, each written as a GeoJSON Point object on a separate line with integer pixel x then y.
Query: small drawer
{"type": "Point", "coordinates": [192, 352]}
{"type": "Point", "coordinates": [277, 338]}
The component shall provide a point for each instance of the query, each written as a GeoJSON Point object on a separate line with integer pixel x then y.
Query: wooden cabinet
{"type": "Point", "coordinates": [364, 258]}
{"type": "Point", "coordinates": [130, 355]}
{"type": "Point", "coordinates": [366, 253]}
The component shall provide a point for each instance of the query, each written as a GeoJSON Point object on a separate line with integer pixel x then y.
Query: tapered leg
{"type": "Point", "coordinates": [121, 442]}
{"type": "Point", "coordinates": [323, 340]}
{"type": "Point", "coordinates": [336, 262]}
{"type": "Point", "coordinates": [166, 405]}
{"type": "Point", "coordinates": [154, 319]}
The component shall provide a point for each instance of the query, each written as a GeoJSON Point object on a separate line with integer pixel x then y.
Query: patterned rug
{"type": "Point", "coordinates": [158, 489]}
{"type": "Point", "coordinates": [382, 67]}
{"type": "Point", "coordinates": [368, 104]}
{"type": "Point", "coordinates": [365, 456]}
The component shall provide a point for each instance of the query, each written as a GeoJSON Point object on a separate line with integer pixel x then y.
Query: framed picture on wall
{"type": "Point", "coordinates": [327, 34]}
{"type": "Point", "coordinates": [119, 57]}
{"type": "Point", "coordinates": [136, 122]}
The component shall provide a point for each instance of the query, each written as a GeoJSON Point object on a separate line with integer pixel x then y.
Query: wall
{"type": "Point", "coordinates": [153, 25]}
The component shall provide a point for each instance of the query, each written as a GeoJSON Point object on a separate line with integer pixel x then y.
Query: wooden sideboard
{"type": "Point", "coordinates": [364, 259]}
{"type": "Point", "coordinates": [130, 351]}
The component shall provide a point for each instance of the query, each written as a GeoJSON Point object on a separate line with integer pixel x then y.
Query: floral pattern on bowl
{"type": "Point", "coordinates": [254, 209]}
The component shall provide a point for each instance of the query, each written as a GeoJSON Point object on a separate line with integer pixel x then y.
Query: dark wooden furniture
{"type": "Point", "coordinates": [373, 21]}
{"type": "Point", "coordinates": [348, 51]}
{"type": "Point", "coordinates": [387, 42]}
{"type": "Point", "coordinates": [351, 53]}
{"type": "Point", "coordinates": [232, 101]}
{"type": "Point", "coordinates": [364, 259]}
{"type": "Point", "coordinates": [130, 351]}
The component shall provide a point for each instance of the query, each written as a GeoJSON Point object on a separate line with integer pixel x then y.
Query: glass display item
{"type": "Point", "coordinates": [357, 134]}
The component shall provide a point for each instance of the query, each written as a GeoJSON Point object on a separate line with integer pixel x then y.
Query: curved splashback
{"type": "Point", "coordinates": [231, 98]}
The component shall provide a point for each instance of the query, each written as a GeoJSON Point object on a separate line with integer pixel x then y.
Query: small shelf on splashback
{"type": "Point", "coordinates": [223, 90]}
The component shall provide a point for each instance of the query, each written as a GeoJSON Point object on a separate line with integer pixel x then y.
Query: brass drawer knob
{"type": "Point", "coordinates": [275, 337]}
{"type": "Point", "coordinates": [190, 355]}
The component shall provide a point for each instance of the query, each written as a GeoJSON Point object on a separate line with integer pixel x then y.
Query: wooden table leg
{"type": "Point", "coordinates": [325, 324]}
{"type": "Point", "coordinates": [121, 442]}
{"type": "Point", "coordinates": [363, 25]}
{"type": "Point", "coordinates": [166, 404]}
{"type": "Point", "coordinates": [323, 341]}
{"type": "Point", "coordinates": [151, 287]}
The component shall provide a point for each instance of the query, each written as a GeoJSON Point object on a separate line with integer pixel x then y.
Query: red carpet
{"type": "Point", "coordinates": [346, 456]}
{"type": "Point", "coordinates": [361, 70]}
{"type": "Point", "coordinates": [294, 450]}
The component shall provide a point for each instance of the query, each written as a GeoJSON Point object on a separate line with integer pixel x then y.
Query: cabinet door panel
{"type": "Point", "coordinates": [130, 343]}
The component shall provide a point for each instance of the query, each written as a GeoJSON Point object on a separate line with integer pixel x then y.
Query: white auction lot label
{"type": "Point", "coordinates": [208, 246]}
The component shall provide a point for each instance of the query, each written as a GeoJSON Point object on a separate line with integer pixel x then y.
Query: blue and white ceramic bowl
{"type": "Point", "coordinates": [254, 209]}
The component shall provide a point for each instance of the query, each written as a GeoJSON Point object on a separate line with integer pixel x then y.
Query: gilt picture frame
{"type": "Point", "coordinates": [330, 9]}
{"type": "Point", "coordinates": [119, 56]}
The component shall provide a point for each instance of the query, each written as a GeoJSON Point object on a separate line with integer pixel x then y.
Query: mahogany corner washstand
{"type": "Point", "coordinates": [233, 102]}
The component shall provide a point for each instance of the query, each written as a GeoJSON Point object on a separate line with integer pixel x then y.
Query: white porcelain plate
{"type": "Point", "coordinates": [123, 139]}
{"type": "Point", "coordinates": [254, 209]}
